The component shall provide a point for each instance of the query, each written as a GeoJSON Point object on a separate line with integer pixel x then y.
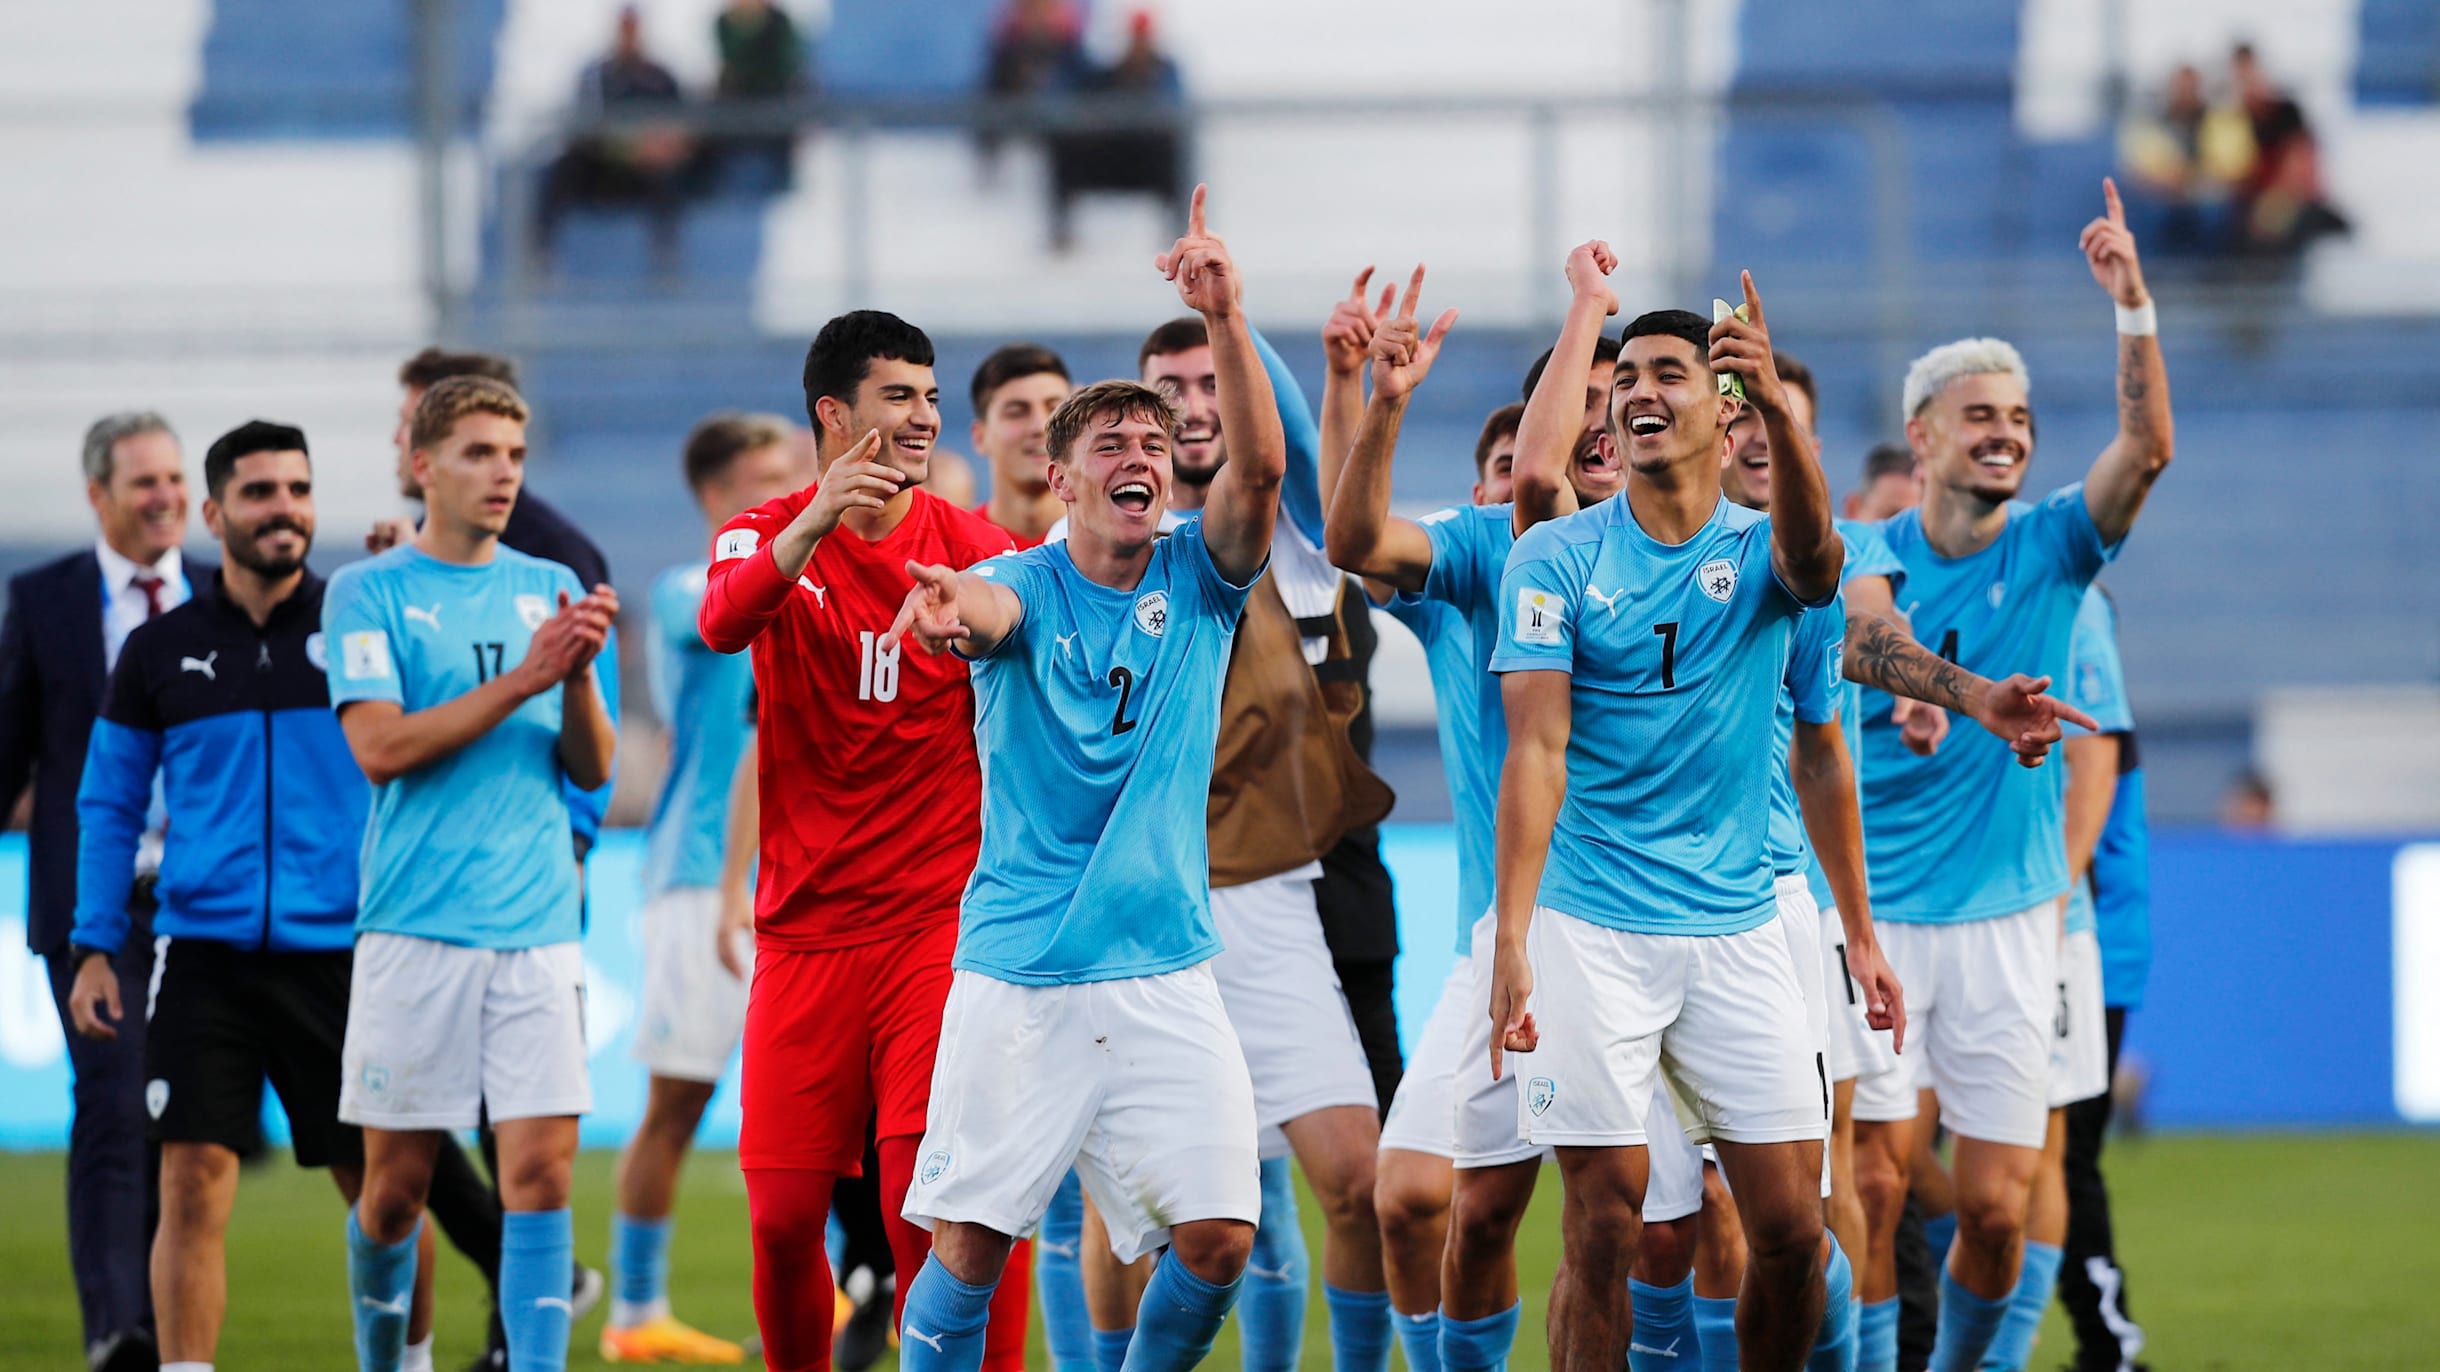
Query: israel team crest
{"type": "Point", "coordinates": [1718, 578]}
{"type": "Point", "coordinates": [156, 1097]}
{"type": "Point", "coordinates": [1539, 1093]}
{"type": "Point", "coordinates": [533, 609]}
{"type": "Point", "coordinates": [935, 1165]}
{"type": "Point", "coordinates": [1152, 612]}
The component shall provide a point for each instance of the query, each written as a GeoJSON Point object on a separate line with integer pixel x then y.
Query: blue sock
{"type": "Point", "coordinates": [1180, 1316]}
{"type": "Point", "coordinates": [943, 1327]}
{"type": "Point", "coordinates": [1876, 1336]}
{"type": "Point", "coordinates": [1271, 1310]}
{"type": "Point", "coordinates": [1940, 1231]}
{"type": "Point", "coordinates": [2013, 1344]}
{"type": "Point", "coordinates": [639, 1269]}
{"type": "Point", "coordinates": [1359, 1329]}
{"type": "Point", "coordinates": [1664, 1338]}
{"type": "Point", "coordinates": [1478, 1345]}
{"type": "Point", "coordinates": [1967, 1322]}
{"type": "Point", "coordinates": [1110, 1348]}
{"type": "Point", "coordinates": [381, 1288]}
{"type": "Point", "coordinates": [1060, 1283]}
{"type": "Point", "coordinates": [1419, 1335]}
{"type": "Point", "coordinates": [537, 1250]}
{"type": "Point", "coordinates": [1834, 1347]}
{"type": "Point", "coordinates": [1715, 1332]}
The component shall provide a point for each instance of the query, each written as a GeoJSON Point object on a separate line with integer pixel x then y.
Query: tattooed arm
{"type": "Point", "coordinates": [2122, 476]}
{"type": "Point", "coordinates": [1883, 655]}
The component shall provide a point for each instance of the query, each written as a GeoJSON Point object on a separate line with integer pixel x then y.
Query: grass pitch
{"type": "Point", "coordinates": [2260, 1251]}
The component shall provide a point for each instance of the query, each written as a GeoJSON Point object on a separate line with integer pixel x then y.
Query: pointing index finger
{"type": "Point", "coordinates": [1753, 299]}
{"type": "Point", "coordinates": [1194, 213]}
{"type": "Point", "coordinates": [2109, 197]}
{"type": "Point", "coordinates": [1414, 291]}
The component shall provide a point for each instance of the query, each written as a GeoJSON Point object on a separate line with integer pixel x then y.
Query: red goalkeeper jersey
{"type": "Point", "coordinates": [871, 792]}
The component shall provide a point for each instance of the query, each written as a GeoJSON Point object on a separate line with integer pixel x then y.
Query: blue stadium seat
{"type": "Point", "coordinates": [295, 69]}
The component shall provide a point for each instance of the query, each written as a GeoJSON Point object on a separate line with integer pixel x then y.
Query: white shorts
{"type": "Point", "coordinates": [1726, 1018]}
{"type": "Point", "coordinates": [2079, 1043]}
{"type": "Point", "coordinates": [1981, 996]}
{"type": "Point", "coordinates": [1282, 994]}
{"type": "Point", "coordinates": [694, 1009]}
{"type": "Point", "coordinates": [1136, 1083]}
{"type": "Point", "coordinates": [1675, 1189]}
{"type": "Point", "coordinates": [1423, 1115]}
{"type": "Point", "coordinates": [1486, 1124]}
{"type": "Point", "coordinates": [1856, 1048]}
{"type": "Point", "coordinates": [437, 1032]}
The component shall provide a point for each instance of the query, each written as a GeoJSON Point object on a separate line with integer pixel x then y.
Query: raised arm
{"type": "Point", "coordinates": [1805, 548]}
{"type": "Point", "coordinates": [1346, 349]}
{"type": "Point", "coordinates": [1882, 654]}
{"type": "Point", "coordinates": [2122, 476]}
{"type": "Point", "coordinates": [1365, 538]}
{"type": "Point", "coordinates": [1554, 413]}
{"type": "Point", "coordinates": [1824, 774]}
{"type": "Point", "coordinates": [746, 588]}
{"type": "Point", "coordinates": [1243, 507]}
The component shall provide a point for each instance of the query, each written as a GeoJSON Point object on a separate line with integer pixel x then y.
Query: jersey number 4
{"type": "Point", "coordinates": [876, 670]}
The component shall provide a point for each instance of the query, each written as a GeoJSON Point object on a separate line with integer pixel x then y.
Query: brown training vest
{"type": "Point", "coordinates": [1286, 784]}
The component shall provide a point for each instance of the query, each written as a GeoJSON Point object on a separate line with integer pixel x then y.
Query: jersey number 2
{"type": "Point", "coordinates": [876, 670]}
{"type": "Point", "coordinates": [1124, 680]}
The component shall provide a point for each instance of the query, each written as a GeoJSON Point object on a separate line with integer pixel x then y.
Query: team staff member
{"type": "Point", "coordinates": [224, 701]}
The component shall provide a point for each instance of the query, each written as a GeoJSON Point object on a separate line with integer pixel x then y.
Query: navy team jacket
{"type": "Point", "coordinates": [265, 802]}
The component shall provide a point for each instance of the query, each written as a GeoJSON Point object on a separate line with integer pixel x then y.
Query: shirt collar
{"type": "Point", "coordinates": [119, 571]}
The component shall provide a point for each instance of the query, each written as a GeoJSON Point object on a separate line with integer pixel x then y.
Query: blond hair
{"type": "Point", "coordinates": [451, 399]}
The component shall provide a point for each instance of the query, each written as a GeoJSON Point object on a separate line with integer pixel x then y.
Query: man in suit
{"type": "Point", "coordinates": [65, 623]}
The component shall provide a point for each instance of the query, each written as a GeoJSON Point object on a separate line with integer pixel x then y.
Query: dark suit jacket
{"type": "Point", "coordinates": [51, 683]}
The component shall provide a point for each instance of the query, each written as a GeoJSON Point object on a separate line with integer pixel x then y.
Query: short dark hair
{"type": "Point", "coordinates": [844, 351]}
{"type": "Point", "coordinates": [1685, 324]}
{"type": "Point", "coordinates": [1011, 362]}
{"type": "Point", "coordinates": [1888, 459]}
{"type": "Point", "coordinates": [1503, 423]}
{"type": "Point", "coordinates": [1605, 349]}
{"type": "Point", "coordinates": [1108, 401]}
{"type": "Point", "coordinates": [720, 440]}
{"type": "Point", "coordinates": [434, 365]}
{"type": "Point", "coordinates": [453, 398]}
{"type": "Point", "coordinates": [1797, 374]}
{"type": "Point", "coordinates": [247, 439]}
{"type": "Point", "coordinates": [1178, 335]}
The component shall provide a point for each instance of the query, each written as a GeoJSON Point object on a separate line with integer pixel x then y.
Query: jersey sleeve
{"type": "Point", "coordinates": [1423, 618]}
{"type": "Point", "coordinates": [1224, 598]}
{"type": "Point", "coordinates": [1539, 598]}
{"type": "Point", "coordinates": [1022, 575]}
{"type": "Point", "coordinates": [1456, 575]}
{"type": "Point", "coordinates": [2064, 526]}
{"type": "Point", "coordinates": [1868, 553]}
{"type": "Point", "coordinates": [361, 628]}
{"type": "Point", "coordinates": [2096, 681]}
{"type": "Point", "coordinates": [743, 592]}
{"type": "Point", "coordinates": [114, 799]}
{"type": "Point", "coordinates": [1815, 662]}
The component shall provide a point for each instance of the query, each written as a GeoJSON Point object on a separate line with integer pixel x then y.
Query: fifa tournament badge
{"type": "Point", "coordinates": [1730, 382]}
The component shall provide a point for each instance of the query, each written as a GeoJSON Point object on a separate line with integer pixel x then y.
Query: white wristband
{"type": "Point", "coordinates": [2141, 322]}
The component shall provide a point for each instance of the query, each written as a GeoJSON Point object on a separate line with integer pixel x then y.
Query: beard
{"type": "Point", "coordinates": [247, 552]}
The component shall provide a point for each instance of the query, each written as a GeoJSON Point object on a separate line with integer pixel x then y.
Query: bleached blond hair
{"type": "Point", "coordinates": [1965, 357]}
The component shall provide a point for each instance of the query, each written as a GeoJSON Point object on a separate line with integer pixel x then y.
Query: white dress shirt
{"type": "Point", "coordinates": [124, 605]}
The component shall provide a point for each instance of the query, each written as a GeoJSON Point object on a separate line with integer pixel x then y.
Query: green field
{"type": "Point", "coordinates": [2280, 1251]}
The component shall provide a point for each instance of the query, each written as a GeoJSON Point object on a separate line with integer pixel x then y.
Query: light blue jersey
{"type": "Point", "coordinates": [473, 848]}
{"type": "Point", "coordinates": [1868, 554]}
{"type": "Point", "coordinates": [1677, 655]}
{"type": "Point", "coordinates": [1967, 833]}
{"type": "Point", "coordinates": [2096, 684]}
{"type": "Point", "coordinates": [1809, 692]}
{"type": "Point", "coordinates": [1095, 719]}
{"type": "Point", "coordinates": [1470, 545]}
{"type": "Point", "coordinates": [708, 700]}
{"type": "Point", "coordinates": [1457, 676]}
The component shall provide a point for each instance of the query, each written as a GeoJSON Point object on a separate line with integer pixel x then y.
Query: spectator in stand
{"type": "Point", "coordinates": [1037, 49]}
{"type": "Point", "coordinates": [2281, 199]}
{"type": "Point", "coordinates": [647, 164]}
{"type": "Point", "coordinates": [2186, 158]}
{"type": "Point", "coordinates": [762, 64]}
{"type": "Point", "coordinates": [1142, 153]}
{"type": "Point", "coordinates": [2248, 806]}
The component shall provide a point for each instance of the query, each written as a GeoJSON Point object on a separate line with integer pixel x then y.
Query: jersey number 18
{"type": "Point", "coordinates": [876, 671]}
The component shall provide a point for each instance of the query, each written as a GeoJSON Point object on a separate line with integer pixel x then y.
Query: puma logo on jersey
{"type": "Point", "coordinates": [1608, 602]}
{"type": "Point", "coordinates": [1067, 645]}
{"type": "Point", "coordinates": [201, 664]}
{"type": "Point", "coordinates": [417, 614]}
{"type": "Point", "coordinates": [821, 594]}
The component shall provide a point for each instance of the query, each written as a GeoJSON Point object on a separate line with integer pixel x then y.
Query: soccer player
{"type": "Point", "coordinates": [1890, 484]}
{"type": "Point", "coordinates": [694, 1007]}
{"type": "Point", "coordinates": [870, 810]}
{"type": "Point", "coordinates": [463, 676]}
{"type": "Point", "coordinates": [1968, 912]}
{"type": "Point", "coordinates": [1014, 393]}
{"type": "Point", "coordinates": [1446, 1117]}
{"type": "Point", "coordinates": [1085, 1026]}
{"type": "Point", "coordinates": [257, 898]}
{"type": "Point", "coordinates": [1633, 885]}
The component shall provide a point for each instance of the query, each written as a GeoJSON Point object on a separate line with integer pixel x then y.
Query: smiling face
{"type": "Point", "coordinates": [1666, 410]}
{"type": "Point", "coordinates": [898, 398]}
{"type": "Point", "coordinates": [1191, 384]}
{"type": "Point", "coordinates": [472, 475]}
{"type": "Point", "coordinates": [1975, 436]}
{"type": "Point", "coordinates": [1115, 478]}
{"type": "Point", "coordinates": [263, 516]}
{"type": "Point", "coordinates": [1014, 427]}
{"type": "Point", "coordinates": [142, 507]}
{"type": "Point", "coordinates": [1745, 470]}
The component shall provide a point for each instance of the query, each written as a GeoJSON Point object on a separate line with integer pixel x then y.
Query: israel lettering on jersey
{"type": "Point", "coordinates": [2008, 608]}
{"type": "Point", "coordinates": [1676, 656]}
{"type": "Point", "coordinates": [708, 700]}
{"type": "Point", "coordinates": [1096, 719]}
{"type": "Point", "coordinates": [1868, 554]}
{"type": "Point", "coordinates": [474, 848]}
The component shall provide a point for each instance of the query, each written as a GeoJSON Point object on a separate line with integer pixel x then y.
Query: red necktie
{"type": "Point", "coordinates": [151, 587]}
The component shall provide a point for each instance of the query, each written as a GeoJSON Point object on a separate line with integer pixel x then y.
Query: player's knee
{"type": "Point", "coordinates": [388, 1208]}
{"type": "Point", "coordinates": [1483, 1221]}
{"type": "Point", "coordinates": [193, 1178]}
{"type": "Point", "coordinates": [1409, 1212]}
{"type": "Point", "coordinates": [1346, 1199]}
{"type": "Point", "coordinates": [1214, 1250]}
{"type": "Point", "coordinates": [1880, 1185]}
{"type": "Point", "coordinates": [1787, 1237]}
{"type": "Point", "coordinates": [536, 1182]}
{"type": "Point", "coordinates": [1666, 1255]}
{"type": "Point", "coordinates": [1990, 1217]}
